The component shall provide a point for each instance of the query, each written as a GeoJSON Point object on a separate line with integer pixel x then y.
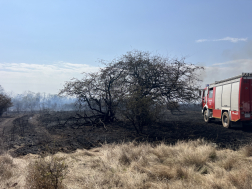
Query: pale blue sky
{"type": "Point", "coordinates": [60, 33]}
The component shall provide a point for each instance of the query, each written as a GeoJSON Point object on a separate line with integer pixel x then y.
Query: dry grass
{"type": "Point", "coordinates": [11, 171]}
{"type": "Point", "coordinates": [247, 150]}
{"type": "Point", "coordinates": [193, 164]}
{"type": "Point", "coordinates": [6, 164]}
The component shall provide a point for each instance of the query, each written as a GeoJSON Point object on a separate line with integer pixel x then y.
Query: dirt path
{"type": "Point", "coordinates": [6, 122]}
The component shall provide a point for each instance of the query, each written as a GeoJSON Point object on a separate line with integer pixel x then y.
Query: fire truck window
{"type": "Point", "coordinates": [205, 93]}
{"type": "Point", "coordinates": [211, 93]}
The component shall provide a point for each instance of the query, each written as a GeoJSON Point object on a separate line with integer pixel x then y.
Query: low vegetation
{"type": "Point", "coordinates": [6, 164]}
{"type": "Point", "coordinates": [46, 173]}
{"type": "Point", "coordinates": [193, 164]}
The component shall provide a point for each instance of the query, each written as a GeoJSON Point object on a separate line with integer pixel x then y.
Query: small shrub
{"type": "Point", "coordinates": [46, 173]}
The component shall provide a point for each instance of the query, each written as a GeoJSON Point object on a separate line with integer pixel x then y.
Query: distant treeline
{"type": "Point", "coordinates": [30, 101]}
{"type": "Point", "coordinates": [33, 102]}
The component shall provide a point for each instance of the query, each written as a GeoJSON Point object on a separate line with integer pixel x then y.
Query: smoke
{"type": "Point", "coordinates": [240, 62]}
{"type": "Point", "coordinates": [248, 49]}
{"type": "Point", "coordinates": [224, 70]}
{"type": "Point", "coordinates": [239, 52]}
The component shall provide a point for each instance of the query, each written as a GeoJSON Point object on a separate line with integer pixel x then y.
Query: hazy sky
{"type": "Point", "coordinates": [45, 43]}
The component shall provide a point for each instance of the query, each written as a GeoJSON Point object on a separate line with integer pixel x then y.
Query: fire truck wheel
{"type": "Point", "coordinates": [206, 118]}
{"type": "Point", "coordinates": [225, 120]}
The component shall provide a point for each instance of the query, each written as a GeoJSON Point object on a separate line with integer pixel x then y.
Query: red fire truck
{"type": "Point", "coordinates": [229, 100]}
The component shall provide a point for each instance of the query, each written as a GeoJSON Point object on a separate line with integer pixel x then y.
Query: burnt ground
{"type": "Point", "coordinates": [33, 133]}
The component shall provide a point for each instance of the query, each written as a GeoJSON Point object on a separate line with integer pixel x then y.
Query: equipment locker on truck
{"type": "Point", "coordinates": [229, 100]}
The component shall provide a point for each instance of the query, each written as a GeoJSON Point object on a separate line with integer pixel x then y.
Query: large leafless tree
{"type": "Point", "coordinates": [136, 84]}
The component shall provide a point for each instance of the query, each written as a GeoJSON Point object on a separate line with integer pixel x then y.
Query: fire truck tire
{"type": "Point", "coordinates": [225, 120]}
{"type": "Point", "coordinates": [206, 118]}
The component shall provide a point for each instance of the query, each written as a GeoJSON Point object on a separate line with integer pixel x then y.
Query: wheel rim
{"type": "Point", "coordinates": [225, 120]}
{"type": "Point", "coordinates": [205, 116]}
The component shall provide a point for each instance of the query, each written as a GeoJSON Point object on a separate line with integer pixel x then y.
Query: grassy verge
{"type": "Point", "coordinates": [193, 164]}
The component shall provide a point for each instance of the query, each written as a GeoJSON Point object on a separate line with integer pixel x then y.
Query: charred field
{"type": "Point", "coordinates": [42, 133]}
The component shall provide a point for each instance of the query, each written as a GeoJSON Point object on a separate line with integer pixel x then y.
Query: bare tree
{"type": "Point", "coordinates": [136, 84]}
{"type": "Point", "coordinates": [154, 81]}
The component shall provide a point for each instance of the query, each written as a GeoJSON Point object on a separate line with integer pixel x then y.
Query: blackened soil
{"type": "Point", "coordinates": [39, 138]}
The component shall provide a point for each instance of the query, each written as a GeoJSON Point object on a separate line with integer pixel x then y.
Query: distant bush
{"type": "Point", "coordinates": [5, 101]}
{"type": "Point", "coordinates": [46, 173]}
